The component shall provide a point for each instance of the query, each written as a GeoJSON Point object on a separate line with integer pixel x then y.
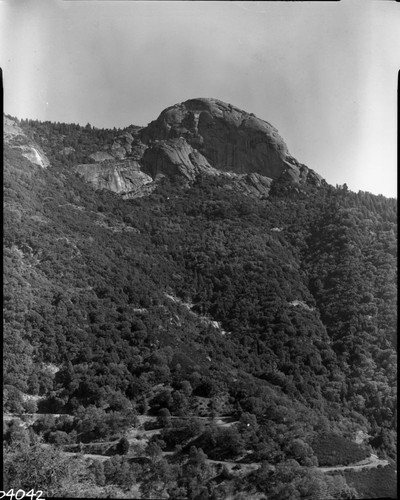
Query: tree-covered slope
{"type": "Point", "coordinates": [280, 311]}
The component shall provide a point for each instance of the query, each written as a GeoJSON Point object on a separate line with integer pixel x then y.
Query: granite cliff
{"type": "Point", "coordinates": [175, 157]}
{"type": "Point", "coordinates": [199, 137]}
{"type": "Point", "coordinates": [121, 177]}
{"type": "Point", "coordinates": [230, 139]}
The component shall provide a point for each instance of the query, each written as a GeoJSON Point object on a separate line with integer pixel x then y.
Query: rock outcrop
{"type": "Point", "coordinates": [100, 156]}
{"type": "Point", "coordinates": [227, 138]}
{"type": "Point", "coordinates": [125, 145]}
{"type": "Point", "coordinates": [255, 185]}
{"type": "Point", "coordinates": [301, 174]}
{"type": "Point", "coordinates": [11, 129]}
{"type": "Point", "coordinates": [175, 157]}
{"type": "Point", "coordinates": [194, 138]}
{"type": "Point", "coordinates": [67, 151]}
{"type": "Point", "coordinates": [123, 177]}
{"type": "Point", "coordinates": [198, 137]}
{"type": "Point", "coordinates": [35, 155]}
{"type": "Point", "coordinates": [16, 138]}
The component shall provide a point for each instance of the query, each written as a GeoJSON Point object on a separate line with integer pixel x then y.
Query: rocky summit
{"type": "Point", "coordinates": [200, 136]}
{"type": "Point", "coordinates": [230, 139]}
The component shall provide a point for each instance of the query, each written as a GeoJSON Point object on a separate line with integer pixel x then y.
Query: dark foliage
{"type": "Point", "coordinates": [374, 483]}
{"type": "Point", "coordinates": [332, 449]}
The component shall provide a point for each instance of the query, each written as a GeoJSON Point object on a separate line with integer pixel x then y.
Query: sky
{"type": "Point", "coordinates": [323, 73]}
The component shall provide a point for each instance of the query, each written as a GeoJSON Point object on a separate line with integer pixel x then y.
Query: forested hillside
{"type": "Point", "coordinates": [194, 301]}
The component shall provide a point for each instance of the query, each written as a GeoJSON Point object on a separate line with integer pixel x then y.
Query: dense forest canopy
{"type": "Point", "coordinates": [278, 311]}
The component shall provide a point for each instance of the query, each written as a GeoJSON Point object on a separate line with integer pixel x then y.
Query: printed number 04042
{"type": "Point", "coordinates": [20, 494]}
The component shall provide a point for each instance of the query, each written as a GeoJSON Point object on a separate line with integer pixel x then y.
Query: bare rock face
{"type": "Point", "coordinates": [125, 146]}
{"type": "Point", "coordinates": [122, 146]}
{"type": "Point", "coordinates": [127, 137]}
{"type": "Point", "coordinates": [118, 151]}
{"type": "Point", "coordinates": [11, 129]}
{"type": "Point", "coordinates": [300, 174]}
{"type": "Point", "coordinates": [16, 138]}
{"type": "Point", "coordinates": [211, 137]}
{"type": "Point", "coordinates": [120, 177]}
{"type": "Point", "coordinates": [253, 185]}
{"type": "Point", "coordinates": [229, 138]}
{"type": "Point", "coordinates": [197, 137]}
{"type": "Point", "coordinates": [175, 157]}
{"type": "Point", "coordinates": [100, 156]}
{"type": "Point", "coordinates": [35, 155]}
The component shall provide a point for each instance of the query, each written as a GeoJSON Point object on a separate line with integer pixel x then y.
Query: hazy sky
{"type": "Point", "coordinates": [323, 73]}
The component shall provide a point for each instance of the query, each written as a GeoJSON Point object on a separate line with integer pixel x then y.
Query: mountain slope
{"type": "Point", "coordinates": [198, 299]}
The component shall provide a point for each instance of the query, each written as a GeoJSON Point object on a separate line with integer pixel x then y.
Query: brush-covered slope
{"type": "Point", "coordinates": [198, 300]}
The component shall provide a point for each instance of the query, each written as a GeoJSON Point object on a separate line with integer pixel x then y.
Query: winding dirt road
{"type": "Point", "coordinates": [367, 463]}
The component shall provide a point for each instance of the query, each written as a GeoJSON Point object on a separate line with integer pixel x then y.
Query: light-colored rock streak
{"type": "Point", "coordinates": [204, 319]}
{"type": "Point", "coordinates": [34, 156]}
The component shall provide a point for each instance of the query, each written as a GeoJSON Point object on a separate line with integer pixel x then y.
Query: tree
{"type": "Point", "coordinates": [153, 451]}
{"type": "Point", "coordinates": [248, 428]}
{"type": "Point", "coordinates": [59, 438]}
{"type": "Point", "coordinates": [27, 467]}
{"type": "Point", "coordinates": [97, 470]}
{"type": "Point", "coordinates": [186, 388]}
{"type": "Point", "coordinates": [12, 398]}
{"type": "Point", "coordinates": [123, 446]}
{"type": "Point", "coordinates": [180, 403]}
{"type": "Point", "coordinates": [30, 406]}
{"type": "Point", "coordinates": [230, 442]}
{"type": "Point", "coordinates": [300, 451]}
{"type": "Point", "coordinates": [164, 418]}
{"type": "Point", "coordinates": [195, 474]}
{"type": "Point", "coordinates": [160, 477]}
{"type": "Point", "coordinates": [117, 471]}
{"type": "Point", "coordinates": [14, 433]}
